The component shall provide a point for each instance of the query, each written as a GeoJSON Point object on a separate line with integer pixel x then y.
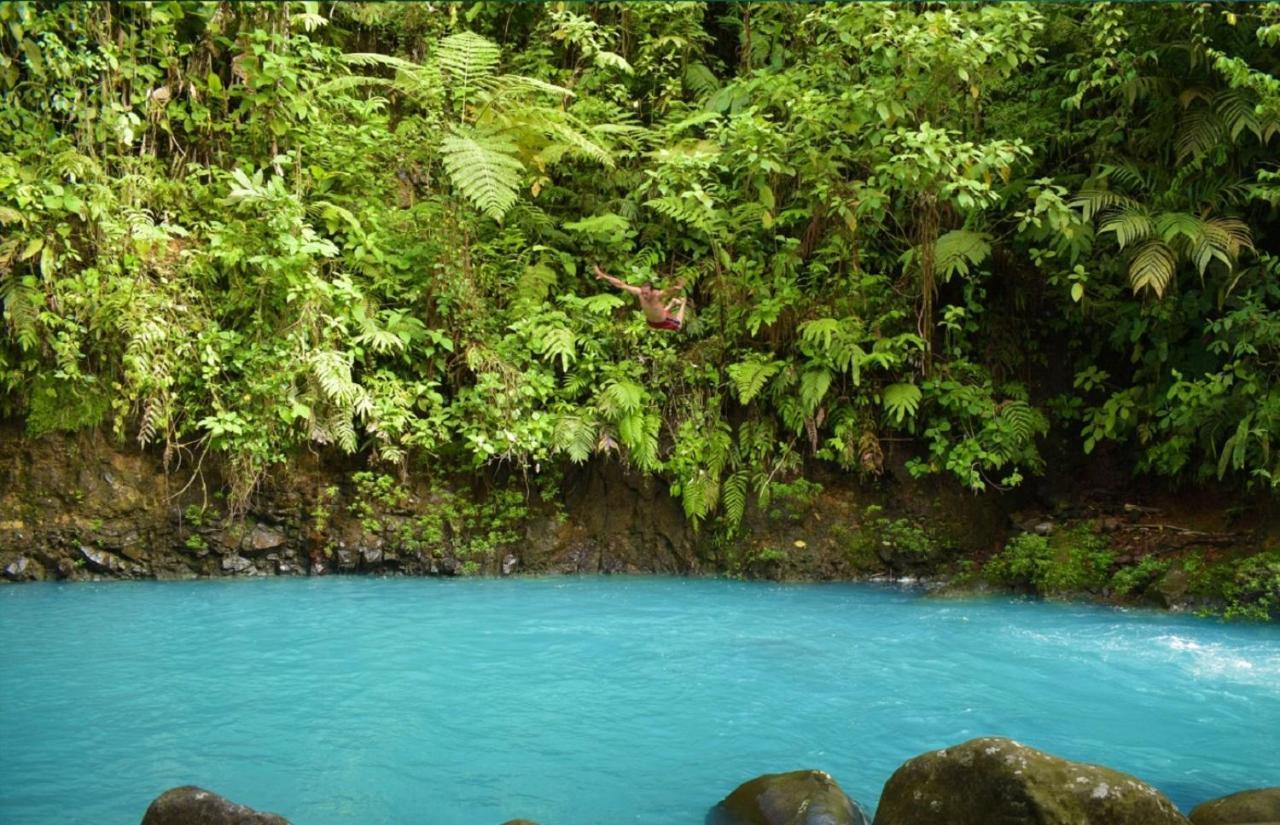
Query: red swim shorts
{"type": "Point", "coordinates": [666, 323]}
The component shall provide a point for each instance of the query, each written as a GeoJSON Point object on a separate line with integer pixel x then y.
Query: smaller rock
{"type": "Point", "coordinates": [1044, 528]}
{"type": "Point", "coordinates": [795, 798]}
{"type": "Point", "coordinates": [101, 560]}
{"type": "Point", "coordinates": [189, 805]}
{"type": "Point", "coordinates": [17, 569]}
{"type": "Point", "coordinates": [235, 564]}
{"type": "Point", "coordinates": [1172, 588]}
{"type": "Point", "coordinates": [1109, 524]}
{"type": "Point", "coordinates": [1260, 806]}
{"type": "Point", "coordinates": [262, 538]}
{"type": "Point", "coordinates": [509, 564]}
{"type": "Point", "coordinates": [371, 555]}
{"type": "Point", "coordinates": [346, 558]}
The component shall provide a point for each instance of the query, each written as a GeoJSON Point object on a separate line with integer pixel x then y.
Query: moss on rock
{"type": "Point", "coordinates": [1259, 806]}
{"type": "Point", "coordinates": [996, 780]}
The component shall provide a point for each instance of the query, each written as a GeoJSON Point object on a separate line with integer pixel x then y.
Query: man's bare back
{"type": "Point", "coordinates": [654, 303]}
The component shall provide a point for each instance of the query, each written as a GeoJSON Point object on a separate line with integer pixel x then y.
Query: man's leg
{"type": "Point", "coordinates": [679, 315]}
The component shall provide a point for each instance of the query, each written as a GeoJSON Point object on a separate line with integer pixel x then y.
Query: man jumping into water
{"type": "Point", "coordinates": [653, 302]}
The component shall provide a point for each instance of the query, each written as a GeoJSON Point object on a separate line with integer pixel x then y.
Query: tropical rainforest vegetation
{"type": "Point", "coordinates": [986, 234]}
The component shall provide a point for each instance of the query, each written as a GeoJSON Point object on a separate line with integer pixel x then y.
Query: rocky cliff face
{"type": "Point", "coordinates": [80, 507]}
{"type": "Point", "coordinates": [83, 506]}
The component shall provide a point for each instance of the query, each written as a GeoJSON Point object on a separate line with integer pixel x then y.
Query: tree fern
{"type": "Point", "coordinates": [484, 170]}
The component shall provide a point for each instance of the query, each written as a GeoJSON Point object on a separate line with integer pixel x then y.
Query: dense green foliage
{"type": "Point", "coordinates": [242, 229]}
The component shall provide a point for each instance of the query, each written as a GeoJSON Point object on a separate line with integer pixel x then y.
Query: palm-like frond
{"type": "Point", "coordinates": [1152, 267]}
{"type": "Point", "coordinates": [1092, 202]}
{"type": "Point", "coordinates": [1129, 225]}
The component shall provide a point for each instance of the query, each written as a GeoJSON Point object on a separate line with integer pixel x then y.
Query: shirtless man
{"type": "Point", "coordinates": [653, 302]}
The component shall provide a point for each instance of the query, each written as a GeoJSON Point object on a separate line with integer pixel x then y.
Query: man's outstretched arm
{"type": "Point", "coordinates": [672, 290]}
{"type": "Point", "coordinates": [623, 285]}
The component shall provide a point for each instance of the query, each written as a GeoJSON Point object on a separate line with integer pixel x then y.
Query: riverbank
{"type": "Point", "coordinates": [83, 507]}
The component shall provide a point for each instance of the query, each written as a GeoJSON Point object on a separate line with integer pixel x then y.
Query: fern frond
{"type": "Point", "coordinates": [1091, 202]}
{"type": "Point", "coordinates": [620, 397]}
{"type": "Point", "coordinates": [520, 83]}
{"type": "Point", "coordinates": [1200, 131]}
{"type": "Point", "coordinates": [749, 377]}
{"type": "Point", "coordinates": [819, 331]}
{"type": "Point", "coordinates": [957, 250]}
{"type": "Point", "coordinates": [689, 210]}
{"type": "Point", "coordinates": [484, 169]}
{"type": "Point", "coordinates": [576, 437]}
{"type": "Point", "coordinates": [814, 384]}
{"type": "Point", "coordinates": [734, 495]}
{"type": "Point", "coordinates": [1152, 268]}
{"type": "Point", "coordinates": [1237, 113]}
{"type": "Point", "coordinates": [699, 79]}
{"type": "Point", "coordinates": [1025, 421]}
{"type": "Point", "coordinates": [579, 144]}
{"type": "Point", "coordinates": [353, 81]}
{"type": "Point", "coordinates": [559, 342]}
{"type": "Point", "coordinates": [639, 433]}
{"type": "Point", "coordinates": [375, 59]}
{"type": "Point", "coordinates": [468, 62]}
{"type": "Point", "coordinates": [901, 400]}
{"type": "Point", "coordinates": [612, 60]}
{"type": "Point", "coordinates": [22, 305]}
{"type": "Point", "coordinates": [1129, 225]}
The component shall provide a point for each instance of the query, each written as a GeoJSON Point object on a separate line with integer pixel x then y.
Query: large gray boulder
{"type": "Point", "coordinates": [795, 798]}
{"type": "Point", "coordinates": [996, 781]}
{"type": "Point", "coordinates": [1260, 806]}
{"type": "Point", "coordinates": [189, 805]}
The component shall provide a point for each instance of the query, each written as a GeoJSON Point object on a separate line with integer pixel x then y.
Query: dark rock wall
{"type": "Point", "coordinates": [82, 506]}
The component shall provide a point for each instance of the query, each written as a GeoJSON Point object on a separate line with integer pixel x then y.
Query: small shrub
{"type": "Point", "coordinates": [1074, 561]}
{"type": "Point", "coordinates": [1135, 577]}
{"type": "Point", "coordinates": [1253, 592]}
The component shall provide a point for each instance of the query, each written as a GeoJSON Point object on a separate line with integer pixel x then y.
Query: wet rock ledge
{"type": "Point", "coordinates": [980, 782]}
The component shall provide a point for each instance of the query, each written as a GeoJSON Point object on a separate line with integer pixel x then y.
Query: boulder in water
{"type": "Point", "coordinates": [795, 798]}
{"type": "Point", "coordinates": [993, 779]}
{"type": "Point", "coordinates": [189, 805]}
{"type": "Point", "coordinates": [1260, 806]}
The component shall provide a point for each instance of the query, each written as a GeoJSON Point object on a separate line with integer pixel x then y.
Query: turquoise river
{"type": "Point", "coordinates": [575, 701]}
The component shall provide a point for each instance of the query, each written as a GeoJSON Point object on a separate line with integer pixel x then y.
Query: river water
{"type": "Point", "coordinates": [574, 701]}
